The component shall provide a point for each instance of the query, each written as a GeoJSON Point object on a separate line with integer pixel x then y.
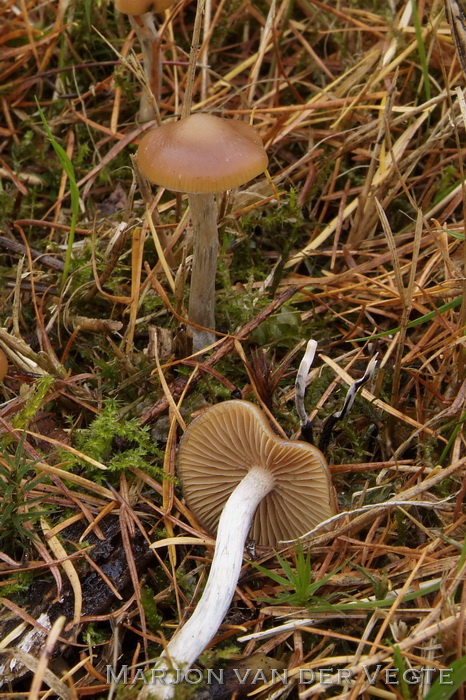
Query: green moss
{"type": "Point", "coordinates": [36, 397]}
{"type": "Point", "coordinates": [21, 585]}
{"type": "Point", "coordinates": [119, 443]}
{"type": "Point", "coordinates": [97, 634]}
{"type": "Point", "coordinates": [153, 618]}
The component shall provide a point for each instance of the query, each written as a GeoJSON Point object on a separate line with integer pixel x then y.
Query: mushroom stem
{"type": "Point", "coordinates": [233, 527]}
{"type": "Point", "coordinates": [205, 251]}
{"type": "Point", "coordinates": [150, 46]}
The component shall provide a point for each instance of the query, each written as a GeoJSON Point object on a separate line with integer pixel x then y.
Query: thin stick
{"type": "Point", "coordinates": [160, 253]}
{"type": "Point", "coordinates": [205, 51]}
{"type": "Point", "coordinates": [137, 249]}
{"type": "Point", "coordinates": [188, 95]}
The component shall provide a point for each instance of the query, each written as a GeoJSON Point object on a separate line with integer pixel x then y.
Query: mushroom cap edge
{"type": "Point", "coordinates": [223, 443]}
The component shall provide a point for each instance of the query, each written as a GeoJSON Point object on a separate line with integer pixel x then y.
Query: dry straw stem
{"type": "Point", "coordinates": [41, 672]}
{"type": "Point", "coordinates": [193, 56]}
{"type": "Point", "coordinates": [414, 639]}
{"type": "Point", "coordinates": [45, 656]}
{"type": "Point", "coordinates": [403, 497]}
{"type": "Point", "coordinates": [137, 252]}
{"type": "Point", "coordinates": [60, 552]}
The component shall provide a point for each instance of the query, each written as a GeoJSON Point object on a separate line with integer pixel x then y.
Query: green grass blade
{"type": "Point", "coordinates": [455, 234]}
{"type": "Point", "coordinates": [449, 682]}
{"type": "Point", "coordinates": [314, 586]}
{"type": "Point", "coordinates": [373, 604]}
{"type": "Point", "coordinates": [399, 663]}
{"type": "Point", "coordinates": [417, 321]}
{"type": "Point", "coordinates": [271, 574]}
{"type": "Point", "coordinates": [67, 166]}
{"type": "Point", "coordinates": [291, 576]}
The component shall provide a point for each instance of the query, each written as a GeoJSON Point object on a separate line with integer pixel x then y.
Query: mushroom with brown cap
{"type": "Point", "coordinates": [200, 155]}
{"type": "Point", "coordinates": [238, 477]}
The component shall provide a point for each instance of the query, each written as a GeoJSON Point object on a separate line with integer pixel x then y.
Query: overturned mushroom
{"type": "Point", "coordinates": [201, 155]}
{"type": "Point", "coordinates": [238, 477]}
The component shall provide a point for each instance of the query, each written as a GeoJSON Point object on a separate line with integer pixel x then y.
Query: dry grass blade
{"type": "Point", "coordinates": [37, 667]}
{"type": "Point", "coordinates": [60, 553]}
{"type": "Point", "coordinates": [403, 498]}
{"type": "Point", "coordinates": [44, 659]}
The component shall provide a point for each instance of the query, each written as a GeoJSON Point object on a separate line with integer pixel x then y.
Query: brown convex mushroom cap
{"type": "Point", "coordinates": [224, 443]}
{"type": "Point", "coordinates": [202, 154]}
{"type": "Point", "coordinates": [139, 7]}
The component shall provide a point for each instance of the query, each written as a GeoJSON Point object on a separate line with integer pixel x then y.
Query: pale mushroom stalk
{"type": "Point", "coordinates": [149, 41]}
{"type": "Point", "coordinates": [233, 527]}
{"type": "Point", "coordinates": [201, 310]}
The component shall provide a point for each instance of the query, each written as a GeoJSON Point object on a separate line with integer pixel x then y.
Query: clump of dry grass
{"type": "Point", "coordinates": [359, 234]}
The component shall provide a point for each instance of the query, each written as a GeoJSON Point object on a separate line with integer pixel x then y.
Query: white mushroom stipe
{"type": "Point", "coordinates": [234, 525]}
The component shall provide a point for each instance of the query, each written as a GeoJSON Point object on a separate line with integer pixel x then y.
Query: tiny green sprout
{"type": "Point", "coordinates": [299, 589]}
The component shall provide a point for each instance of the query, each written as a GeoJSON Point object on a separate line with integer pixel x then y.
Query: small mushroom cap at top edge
{"type": "Point", "coordinates": [202, 154]}
{"type": "Point", "coordinates": [218, 449]}
{"type": "Point", "coordinates": [139, 7]}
